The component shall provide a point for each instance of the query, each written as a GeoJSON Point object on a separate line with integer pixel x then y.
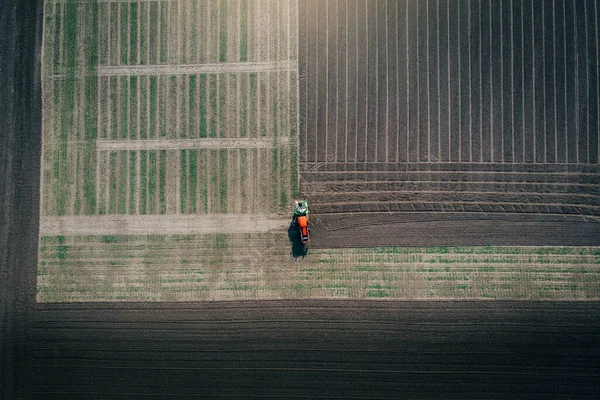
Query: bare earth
{"type": "Point", "coordinates": [159, 224]}
{"type": "Point", "coordinates": [185, 69]}
{"type": "Point", "coordinates": [181, 144]}
{"type": "Point", "coordinates": [318, 349]}
{"type": "Point", "coordinates": [283, 349]}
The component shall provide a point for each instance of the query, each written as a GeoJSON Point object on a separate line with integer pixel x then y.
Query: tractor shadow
{"type": "Point", "coordinates": [299, 250]}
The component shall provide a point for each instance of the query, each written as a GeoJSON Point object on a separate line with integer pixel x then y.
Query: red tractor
{"type": "Point", "coordinates": [300, 220]}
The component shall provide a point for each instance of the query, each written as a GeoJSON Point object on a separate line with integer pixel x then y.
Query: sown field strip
{"type": "Point", "coordinates": [257, 266]}
{"type": "Point", "coordinates": [160, 224]}
{"type": "Point", "coordinates": [169, 107]}
{"type": "Point", "coordinates": [172, 118]}
{"type": "Point", "coordinates": [182, 69]}
{"type": "Point", "coordinates": [181, 144]}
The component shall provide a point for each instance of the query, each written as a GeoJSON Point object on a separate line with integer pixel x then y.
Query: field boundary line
{"type": "Point", "coordinates": [486, 215]}
{"type": "Point", "coordinates": [365, 182]}
{"type": "Point", "coordinates": [92, 2]}
{"type": "Point", "coordinates": [160, 224]}
{"type": "Point", "coordinates": [463, 192]}
{"type": "Point", "coordinates": [459, 203]}
{"type": "Point", "coordinates": [195, 69]}
{"type": "Point", "coordinates": [180, 144]}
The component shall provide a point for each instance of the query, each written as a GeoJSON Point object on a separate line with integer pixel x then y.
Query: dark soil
{"type": "Point", "coordinates": [20, 151]}
{"type": "Point", "coordinates": [450, 107]}
{"type": "Point", "coordinates": [318, 349]}
{"type": "Point", "coordinates": [285, 349]}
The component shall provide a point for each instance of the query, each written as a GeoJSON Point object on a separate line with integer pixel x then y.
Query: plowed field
{"type": "Point", "coordinates": [279, 349]}
{"type": "Point", "coordinates": [188, 126]}
{"type": "Point", "coordinates": [485, 108]}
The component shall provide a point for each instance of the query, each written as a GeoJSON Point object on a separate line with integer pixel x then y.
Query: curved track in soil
{"type": "Point", "coordinates": [450, 108]}
{"type": "Point", "coordinates": [277, 349]}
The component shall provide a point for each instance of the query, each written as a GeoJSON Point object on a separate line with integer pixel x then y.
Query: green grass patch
{"type": "Point", "coordinates": [283, 181]}
{"type": "Point", "coordinates": [183, 181]}
{"type": "Point", "coordinates": [338, 286]}
{"type": "Point", "coordinates": [378, 293]}
{"type": "Point", "coordinates": [206, 174]}
{"type": "Point", "coordinates": [71, 37]}
{"type": "Point", "coordinates": [153, 107]}
{"type": "Point", "coordinates": [143, 181]}
{"type": "Point", "coordinates": [122, 190]}
{"type": "Point", "coordinates": [133, 107]}
{"type": "Point", "coordinates": [194, 41]}
{"type": "Point", "coordinates": [162, 189]}
{"type": "Point", "coordinates": [447, 278]}
{"type": "Point", "coordinates": [244, 30]}
{"type": "Point", "coordinates": [223, 182]}
{"type": "Point", "coordinates": [132, 180]}
{"type": "Point", "coordinates": [144, 109]}
{"type": "Point", "coordinates": [65, 105]}
{"type": "Point", "coordinates": [56, 39]}
{"type": "Point", "coordinates": [294, 169]}
{"type": "Point", "coordinates": [378, 286]}
{"type": "Point", "coordinates": [151, 182]}
{"type": "Point", "coordinates": [243, 82]}
{"type": "Point", "coordinates": [192, 104]}
{"type": "Point", "coordinates": [150, 40]}
{"type": "Point", "coordinates": [213, 165]}
{"type": "Point", "coordinates": [325, 261]}
{"type": "Point", "coordinates": [222, 108]}
{"type": "Point", "coordinates": [89, 150]}
{"type": "Point", "coordinates": [554, 250]}
{"type": "Point", "coordinates": [164, 34]}
{"type": "Point", "coordinates": [133, 38]}
{"type": "Point", "coordinates": [212, 85]}
{"type": "Point", "coordinates": [262, 119]}
{"type": "Point", "coordinates": [111, 239]}
{"type": "Point", "coordinates": [62, 248]}
{"type": "Point", "coordinates": [252, 104]}
{"type": "Point", "coordinates": [221, 241]}
{"type": "Point", "coordinates": [243, 177]}
{"type": "Point", "coordinates": [123, 26]}
{"type": "Point", "coordinates": [202, 87]}
{"type": "Point", "coordinates": [193, 180]}
{"type": "Point", "coordinates": [112, 185]}
{"type": "Point", "coordinates": [121, 107]}
{"type": "Point", "coordinates": [223, 32]}
{"type": "Point", "coordinates": [274, 175]}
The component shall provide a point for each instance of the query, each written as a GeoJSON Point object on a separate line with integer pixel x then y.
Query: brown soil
{"type": "Point", "coordinates": [292, 349]}
{"type": "Point", "coordinates": [20, 156]}
{"type": "Point", "coordinates": [463, 228]}
{"type": "Point", "coordinates": [404, 111]}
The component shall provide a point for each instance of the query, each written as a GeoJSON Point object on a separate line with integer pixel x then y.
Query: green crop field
{"type": "Point", "coordinates": [169, 107]}
{"type": "Point", "coordinates": [257, 266]}
{"type": "Point", "coordinates": [170, 139]}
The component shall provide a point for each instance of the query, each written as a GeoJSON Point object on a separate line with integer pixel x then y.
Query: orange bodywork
{"type": "Point", "coordinates": [303, 223]}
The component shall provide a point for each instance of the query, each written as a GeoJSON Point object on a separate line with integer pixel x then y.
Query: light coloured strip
{"type": "Point", "coordinates": [179, 144]}
{"type": "Point", "coordinates": [160, 224]}
{"type": "Point", "coordinates": [194, 69]}
{"type": "Point", "coordinates": [111, 1]}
